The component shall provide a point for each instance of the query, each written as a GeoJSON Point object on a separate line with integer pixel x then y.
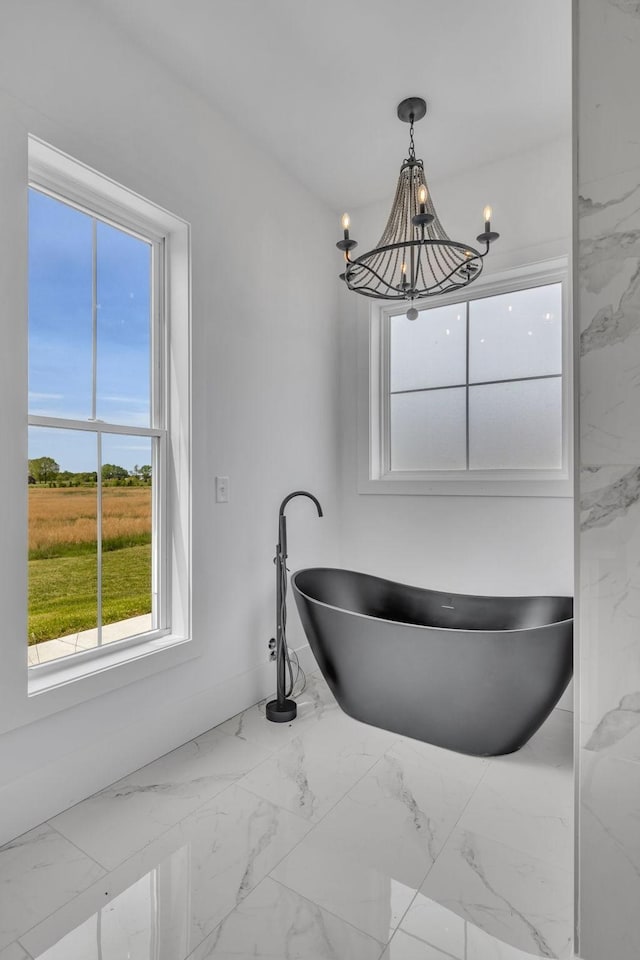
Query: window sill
{"type": "Point", "coordinates": [56, 686]}
{"type": "Point", "coordinates": [466, 486]}
{"type": "Point", "coordinates": [65, 684]}
{"type": "Point", "coordinates": [78, 666]}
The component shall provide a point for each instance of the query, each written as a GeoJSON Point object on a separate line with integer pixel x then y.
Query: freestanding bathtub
{"type": "Point", "coordinates": [474, 674]}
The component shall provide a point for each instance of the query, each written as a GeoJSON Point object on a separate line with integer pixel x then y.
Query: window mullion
{"type": "Point", "coordinates": [94, 416]}
{"type": "Point", "coordinates": [94, 317]}
{"type": "Point", "coordinates": [159, 414]}
{"type": "Point", "coordinates": [159, 344]}
{"type": "Point", "coordinates": [99, 537]}
{"type": "Point", "coordinates": [385, 377]}
{"type": "Point", "coordinates": [126, 430]}
{"type": "Point", "coordinates": [467, 386]}
{"type": "Point", "coordinates": [159, 572]}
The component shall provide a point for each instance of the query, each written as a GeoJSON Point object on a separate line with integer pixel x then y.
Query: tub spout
{"type": "Point", "coordinates": [282, 520]}
{"type": "Point", "coordinates": [300, 493]}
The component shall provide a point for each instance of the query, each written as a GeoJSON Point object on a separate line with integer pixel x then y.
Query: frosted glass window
{"type": "Point", "coordinates": [516, 334]}
{"type": "Point", "coordinates": [516, 426]}
{"type": "Point", "coordinates": [430, 351]}
{"type": "Point", "coordinates": [428, 430]}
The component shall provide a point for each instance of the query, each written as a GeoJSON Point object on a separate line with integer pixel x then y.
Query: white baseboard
{"type": "Point", "coordinates": [41, 794]}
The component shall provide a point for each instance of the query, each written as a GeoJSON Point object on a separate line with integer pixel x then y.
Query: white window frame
{"type": "Point", "coordinates": [170, 641]}
{"type": "Point", "coordinates": [374, 473]}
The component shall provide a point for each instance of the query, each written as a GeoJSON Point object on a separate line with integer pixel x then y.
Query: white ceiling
{"type": "Point", "coordinates": [317, 83]}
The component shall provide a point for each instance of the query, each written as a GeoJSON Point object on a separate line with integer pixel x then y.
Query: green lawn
{"type": "Point", "coordinates": [62, 591]}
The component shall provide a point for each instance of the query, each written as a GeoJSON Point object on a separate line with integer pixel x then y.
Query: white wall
{"type": "Point", "coordinates": [492, 545]}
{"type": "Point", "coordinates": [261, 345]}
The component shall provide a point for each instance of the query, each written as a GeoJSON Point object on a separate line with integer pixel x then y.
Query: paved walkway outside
{"type": "Point", "coordinates": [87, 639]}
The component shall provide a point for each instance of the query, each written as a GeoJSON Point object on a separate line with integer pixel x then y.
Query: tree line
{"type": "Point", "coordinates": [47, 470]}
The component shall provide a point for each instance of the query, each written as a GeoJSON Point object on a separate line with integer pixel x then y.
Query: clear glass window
{"type": "Point", "coordinates": [94, 435]}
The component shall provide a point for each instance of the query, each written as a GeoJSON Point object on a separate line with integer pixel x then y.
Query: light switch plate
{"type": "Point", "coordinates": [222, 489]}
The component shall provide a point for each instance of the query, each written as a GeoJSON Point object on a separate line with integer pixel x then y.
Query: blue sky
{"type": "Point", "coordinates": [60, 334]}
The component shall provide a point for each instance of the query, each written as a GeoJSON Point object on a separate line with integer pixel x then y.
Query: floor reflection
{"type": "Point", "coordinates": [320, 839]}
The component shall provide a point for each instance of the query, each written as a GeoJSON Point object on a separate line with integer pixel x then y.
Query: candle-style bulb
{"type": "Point", "coordinates": [488, 235]}
{"type": "Point", "coordinates": [346, 244]}
{"type": "Point", "coordinates": [403, 268]}
{"type": "Point", "coordinates": [422, 194]}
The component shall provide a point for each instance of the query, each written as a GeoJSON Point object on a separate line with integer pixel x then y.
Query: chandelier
{"type": "Point", "coordinates": [414, 257]}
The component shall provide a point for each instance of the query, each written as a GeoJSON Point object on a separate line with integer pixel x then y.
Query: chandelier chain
{"type": "Point", "coordinates": [412, 146]}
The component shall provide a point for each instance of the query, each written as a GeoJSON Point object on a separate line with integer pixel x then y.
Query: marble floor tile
{"type": "Point", "coordinates": [314, 770]}
{"type": "Point", "coordinates": [529, 809]}
{"type": "Point", "coordinates": [14, 952]}
{"type": "Point", "coordinates": [466, 769]}
{"type": "Point", "coordinates": [432, 923]}
{"type": "Point", "coordinates": [179, 888]}
{"type": "Point", "coordinates": [123, 927]}
{"type": "Point", "coordinates": [311, 840]}
{"type": "Point", "coordinates": [397, 818]}
{"type": "Point", "coordinates": [314, 703]}
{"type": "Point", "coordinates": [405, 947]}
{"type": "Point", "coordinates": [235, 842]}
{"type": "Point", "coordinates": [438, 929]}
{"type": "Point", "coordinates": [39, 872]}
{"type": "Point", "coordinates": [525, 799]}
{"type": "Point", "coordinates": [122, 819]}
{"type": "Point", "coordinates": [482, 946]}
{"type": "Point", "coordinates": [550, 746]}
{"type": "Point", "coordinates": [518, 899]}
{"type": "Point", "coordinates": [371, 899]}
{"type": "Point", "coordinates": [274, 923]}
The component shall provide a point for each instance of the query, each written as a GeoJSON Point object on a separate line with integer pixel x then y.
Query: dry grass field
{"type": "Point", "coordinates": [65, 517]}
{"type": "Point", "coordinates": [62, 557]}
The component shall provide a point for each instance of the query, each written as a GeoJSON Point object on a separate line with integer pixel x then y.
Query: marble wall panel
{"type": "Point", "coordinates": [609, 311]}
{"type": "Point", "coordinates": [610, 608]}
{"type": "Point", "coordinates": [608, 39]}
{"type": "Point", "coordinates": [610, 858]}
{"type": "Point", "coordinates": [608, 326]}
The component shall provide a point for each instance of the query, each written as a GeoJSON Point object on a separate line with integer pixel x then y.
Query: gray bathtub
{"type": "Point", "coordinates": [474, 674]}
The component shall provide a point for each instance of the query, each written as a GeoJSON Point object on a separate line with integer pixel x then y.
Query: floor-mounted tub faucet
{"type": "Point", "coordinates": [282, 710]}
